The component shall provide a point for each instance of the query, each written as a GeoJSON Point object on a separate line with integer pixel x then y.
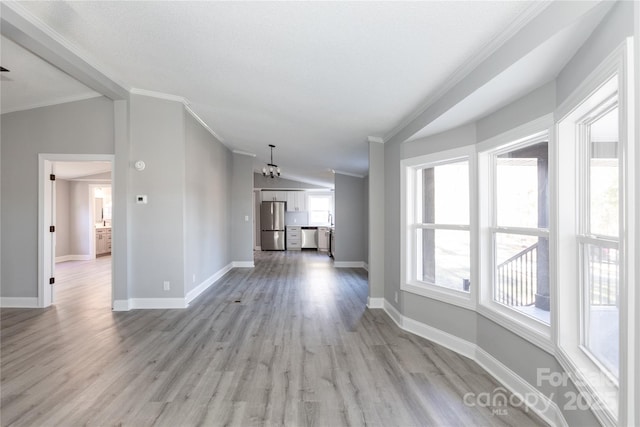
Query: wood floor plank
{"type": "Point", "coordinates": [287, 343]}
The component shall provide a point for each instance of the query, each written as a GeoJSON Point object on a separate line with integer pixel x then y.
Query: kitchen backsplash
{"type": "Point", "coordinates": [296, 218]}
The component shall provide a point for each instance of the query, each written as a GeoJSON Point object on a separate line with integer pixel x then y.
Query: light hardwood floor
{"type": "Point", "coordinates": [289, 342]}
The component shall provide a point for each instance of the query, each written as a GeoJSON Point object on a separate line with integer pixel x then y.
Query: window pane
{"type": "Point", "coordinates": [603, 175]}
{"type": "Point", "coordinates": [445, 258]}
{"type": "Point", "coordinates": [522, 274]}
{"type": "Point", "coordinates": [445, 195]}
{"type": "Point", "coordinates": [522, 187]}
{"type": "Point", "coordinates": [319, 203]}
{"type": "Point", "coordinates": [601, 320]}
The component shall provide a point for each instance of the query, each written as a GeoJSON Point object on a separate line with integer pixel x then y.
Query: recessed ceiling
{"type": "Point", "coordinates": [313, 78]}
{"type": "Point", "coordinates": [32, 82]}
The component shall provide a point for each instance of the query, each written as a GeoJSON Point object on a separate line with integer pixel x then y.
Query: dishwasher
{"type": "Point", "coordinates": [309, 237]}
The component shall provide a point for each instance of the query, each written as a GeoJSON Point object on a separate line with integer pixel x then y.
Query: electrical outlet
{"type": "Point", "coordinates": [166, 285]}
{"type": "Point", "coordinates": [395, 297]}
{"type": "Point", "coordinates": [246, 218]}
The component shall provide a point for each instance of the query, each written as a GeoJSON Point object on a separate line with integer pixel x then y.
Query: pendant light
{"type": "Point", "coordinates": [273, 170]}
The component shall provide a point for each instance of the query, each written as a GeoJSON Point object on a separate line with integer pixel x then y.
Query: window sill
{"type": "Point", "coordinates": [449, 296]}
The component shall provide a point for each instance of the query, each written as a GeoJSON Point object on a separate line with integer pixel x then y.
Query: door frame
{"type": "Point", "coordinates": [44, 262]}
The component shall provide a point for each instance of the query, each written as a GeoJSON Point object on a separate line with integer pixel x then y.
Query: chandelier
{"type": "Point", "coordinates": [273, 170]}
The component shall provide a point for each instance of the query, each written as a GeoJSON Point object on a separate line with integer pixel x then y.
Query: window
{"type": "Point", "coordinates": [520, 228]}
{"type": "Point", "coordinates": [320, 209]}
{"type": "Point", "coordinates": [438, 240]}
{"type": "Point", "coordinates": [599, 234]}
{"type": "Point", "coordinates": [443, 233]}
{"type": "Point", "coordinates": [593, 258]}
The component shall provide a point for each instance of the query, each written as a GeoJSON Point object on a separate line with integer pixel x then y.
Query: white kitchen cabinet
{"type": "Point", "coordinates": [274, 196]}
{"type": "Point", "coordinates": [294, 238]}
{"type": "Point", "coordinates": [103, 241]}
{"type": "Point", "coordinates": [296, 201]}
{"type": "Point", "coordinates": [323, 239]}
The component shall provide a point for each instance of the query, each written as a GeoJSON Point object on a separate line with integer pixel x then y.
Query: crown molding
{"type": "Point", "coordinates": [243, 153]}
{"type": "Point", "coordinates": [376, 139]}
{"type": "Point", "coordinates": [348, 174]}
{"type": "Point", "coordinates": [177, 98]}
{"type": "Point", "coordinates": [159, 95]}
{"type": "Point", "coordinates": [472, 63]}
{"type": "Point", "coordinates": [202, 122]}
{"type": "Point", "coordinates": [19, 25]}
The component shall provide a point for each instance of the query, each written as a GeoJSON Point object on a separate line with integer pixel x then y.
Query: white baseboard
{"type": "Point", "coordinates": [257, 248]}
{"type": "Point", "coordinates": [375, 302]}
{"type": "Point", "coordinates": [19, 302]}
{"type": "Point", "coordinates": [348, 264]}
{"type": "Point", "coordinates": [393, 313]}
{"type": "Point", "coordinates": [195, 293]}
{"type": "Point", "coordinates": [157, 303]}
{"type": "Point", "coordinates": [242, 264]}
{"type": "Point", "coordinates": [165, 303]}
{"type": "Point", "coordinates": [65, 258]}
{"type": "Point", "coordinates": [445, 339]}
{"type": "Point", "coordinates": [544, 407]}
{"type": "Point", "coordinates": [121, 305]}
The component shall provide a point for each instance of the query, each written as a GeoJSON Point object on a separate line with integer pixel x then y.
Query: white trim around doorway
{"type": "Point", "coordinates": [43, 158]}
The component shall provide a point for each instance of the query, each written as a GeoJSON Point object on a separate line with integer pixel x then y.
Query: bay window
{"type": "Point", "coordinates": [438, 240]}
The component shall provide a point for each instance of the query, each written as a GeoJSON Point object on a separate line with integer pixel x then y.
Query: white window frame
{"type": "Point", "coordinates": [612, 404]}
{"type": "Point", "coordinates": [410, 223]}
{"type": "Point", "coordinates": [530, 328]}
{"type": "Point", "coordinates": [329, 196]}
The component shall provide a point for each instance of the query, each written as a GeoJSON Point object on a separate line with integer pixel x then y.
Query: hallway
{"type": "Point", "coordinates": [289, 342]}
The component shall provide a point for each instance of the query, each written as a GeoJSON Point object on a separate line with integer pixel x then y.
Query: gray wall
{"type": "Point", "coordinates": [349, 219]}
{"type": "Point", "coordinates": [83, 127]}
{"type": "Point", "coordinates": [62, 217]}
{"type": "Point", "coordinates": [392, 230]}
{"type": "Point", "coordinates": [256, 217]}
{"type": "Point", "coordinates": [613, 29]}
{"type": "Point", "coordinates": [241, 207]}
{"type": "Point", "coordinates": [365, 219]}
{"type": "Point", "coordinates": [80, 219]}
{"type": "Point", "coordinates": [376, 230]}
{"type": "Point", "coordinates": [207, 201]}
{"type": "Point", "coordinates": [260, 181]}
{"type": "Point", "coordinates": [535, 104]}
{"type": "Point", "coordinates": [513, 351]}
{"type": "Point", "coordinates": [157, 228]}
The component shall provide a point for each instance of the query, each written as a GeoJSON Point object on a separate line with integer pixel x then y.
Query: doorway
{"type": "Point", "coordinates": [75, 223]}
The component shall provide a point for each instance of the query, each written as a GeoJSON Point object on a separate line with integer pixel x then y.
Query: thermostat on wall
{"type": "Point", "coordinates": [141, 199]}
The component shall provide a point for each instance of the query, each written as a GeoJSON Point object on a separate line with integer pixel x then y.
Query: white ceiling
{"type": "Point", "coordinates": [75, 170]}
{"type": "Point", "coordinates": [314, 78]}
{"type": "Point", "coordinates": [537, 67]}
{"type": "Point", "coordinates": [32, 82]}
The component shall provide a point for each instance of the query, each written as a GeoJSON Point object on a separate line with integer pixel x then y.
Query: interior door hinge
{"type": "Point", "coordinates": [52, 229]}
{"type": "Point", "coordinates": [52, 177]}
{"type": "Point", "coordinates": [52, 280]}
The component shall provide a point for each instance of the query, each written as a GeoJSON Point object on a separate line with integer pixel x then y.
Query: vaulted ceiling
{"type": "Point", "coordinates": [316, 79]}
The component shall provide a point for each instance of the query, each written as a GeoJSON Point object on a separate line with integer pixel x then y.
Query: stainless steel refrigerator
{"type": "Point", "coordinates": [272, 233]}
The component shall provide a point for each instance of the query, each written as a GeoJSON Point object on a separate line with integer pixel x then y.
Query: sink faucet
{"type": "Point", "coordinates": [330, 219]}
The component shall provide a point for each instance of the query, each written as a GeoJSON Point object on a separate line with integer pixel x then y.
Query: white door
{"type": "Point", "coordinates": [49, 261]}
